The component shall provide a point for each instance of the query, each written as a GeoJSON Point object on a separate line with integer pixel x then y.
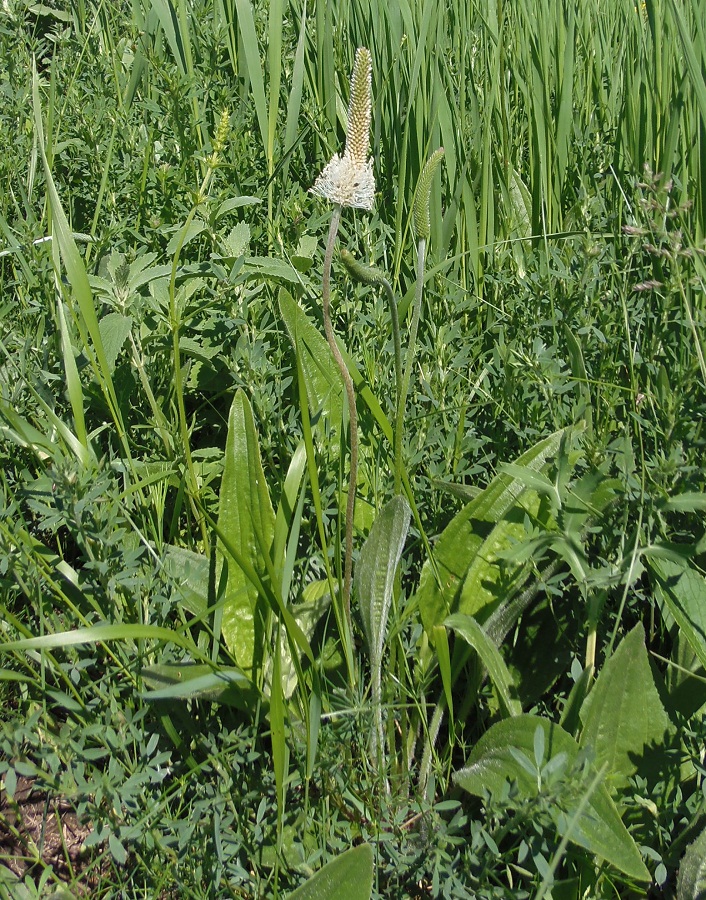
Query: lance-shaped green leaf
{"type": "Point", "coordinates": [374, 583]}
{"type": "Point", "coordinates": [683, 591]}
{"type": "Point", "coordinates": [470, 577]}
{"type": "Point", "coordinates": [321, 375]}
{"type": "Point", "coordinates": [280, 755]}
{"type": "Point", "coordinates": [624, 721]}
{"type": "Point", "coordinates": [247, 522]}
{"type": "Point", "coordinates": [503, 755]}
{"type": "Point", "coordinates": [375, 572]}
{"type": "Point", "coordinates": [473, 633]}
{"type": "Point", "coordinates": [349, 875]}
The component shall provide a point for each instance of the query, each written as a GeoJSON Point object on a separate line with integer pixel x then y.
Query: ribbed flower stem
{"type": "Point", "coordinates": [414, 325]}
{"type": "Point", "coordinates": [397, 342]}
{"type": "Point", "coordinates": [350, 392]}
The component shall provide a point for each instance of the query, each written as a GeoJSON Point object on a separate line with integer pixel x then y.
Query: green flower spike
{"type": "Point", "coordinates": [422, 223]}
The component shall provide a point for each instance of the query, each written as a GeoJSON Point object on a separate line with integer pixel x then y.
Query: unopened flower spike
{"type": "Point", "coordinates": [348, 180]}
{"type": "Point", "coordinates": [361, 272]}
{"type": "Point", "coordinates": [422, 223]}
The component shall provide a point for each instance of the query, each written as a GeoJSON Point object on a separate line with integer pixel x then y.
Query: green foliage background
{"type": "Point", "coordinates": [143, 289]}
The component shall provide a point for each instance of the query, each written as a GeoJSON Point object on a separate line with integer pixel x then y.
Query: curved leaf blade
{"type": "Point", "coordinates": [247, 522]}
{"type": "Point", "coordinates": [467, 550]}
{"type": "Point", "coordinates": [321, 376]}
{"type": "Point", "coordinates": [683, 590]}
{"type": "Point", "coordinates": [472, 632]}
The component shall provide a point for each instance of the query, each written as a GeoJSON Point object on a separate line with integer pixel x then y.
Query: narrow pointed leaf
{"type": "Point", "coordinates": [277, 735]}
{"type": "Point", "coordinates": [375, 571]}
{"type": "Point", "coordinates": [247, 522]}
{"type": "Point", "coordinates": [471, 632]}
{"type": "Point", "coordinates": [74, 387]}
{"type": "Point", "coordinates": [100, 634]}
{"type": "Point", "coordinates": [443, 655]}
{"type": "Point", "coordinates": [190, 681]}
{"type": "Point", "coordinates": [248, 33]}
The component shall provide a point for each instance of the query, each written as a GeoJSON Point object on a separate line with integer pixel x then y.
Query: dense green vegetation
{"type": "Point", "coordinates": [515, 706]}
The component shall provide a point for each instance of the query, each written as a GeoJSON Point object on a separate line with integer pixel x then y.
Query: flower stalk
{"type": "Point", "coordinates": [348, 181]}
{"type": "Point", "coordinates": [374, 277]}
{"type": "Point", "coordinates": [352, 413]}
{"type": "Point", "coordinates": [422, 227]}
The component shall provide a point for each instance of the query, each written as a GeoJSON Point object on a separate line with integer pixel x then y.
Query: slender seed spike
{"type": "Point", "coordinates": [422, 223]}
{"type": "Point", "coordinates": [359, 108]}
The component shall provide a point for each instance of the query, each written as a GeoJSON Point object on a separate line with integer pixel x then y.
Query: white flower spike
{"type": "Point", "coordinates": [348, 180]}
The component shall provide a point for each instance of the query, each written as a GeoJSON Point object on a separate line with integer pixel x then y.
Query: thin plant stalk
{"type": "Point", "coordinates": [175, 326]}
{"type": "Point", "coordinates": [371, 276]}
{"type": "Point", "coordinates": [404, 388]}
{"type": "Point", "coordinates": [348, 181]}
{"type": "Point", "coordinates": [350, 393]}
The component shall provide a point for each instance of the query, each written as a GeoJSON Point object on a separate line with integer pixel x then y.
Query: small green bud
{"type": "Point", "coordinates": [422, 223]}
{"type": "Point", "coordinates": [359, 271]}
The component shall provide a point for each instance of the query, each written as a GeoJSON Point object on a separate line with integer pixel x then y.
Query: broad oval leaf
{"type": "Point", "coordinates": [466, 554]}
{"type": "Point", "coordinates": [350, 875]}
{"type": "Point", "coordinates": [597, 827]}
{"type": "Point", "coordinates": [624, 721]}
